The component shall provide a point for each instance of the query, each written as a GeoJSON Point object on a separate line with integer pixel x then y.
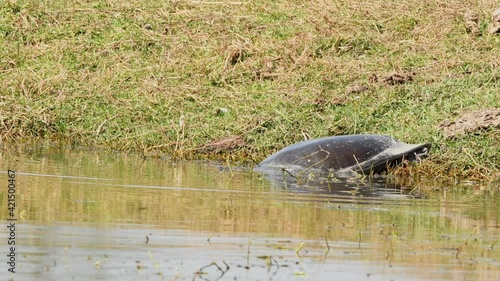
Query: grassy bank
{"type": "Point", "coordinates": [173, 77]}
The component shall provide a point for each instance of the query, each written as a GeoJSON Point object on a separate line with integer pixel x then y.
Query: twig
{"type": "Point", "coordinates": [359, 166]}
{"type": "Point", "coordinates": [298, 250]}
{"type": "Point", "coordinates": [477, 164]}
{"type": "Point", "coordinates": [327, 246]}
{"type": "Point", "coordinates": [99, 128]}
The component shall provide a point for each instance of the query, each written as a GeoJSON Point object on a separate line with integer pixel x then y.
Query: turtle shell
{"type": "Point", "coordinates": [345, 155]}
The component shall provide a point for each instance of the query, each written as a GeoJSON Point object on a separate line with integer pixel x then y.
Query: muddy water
{"type": "Point", "coordinates": [90, 215]}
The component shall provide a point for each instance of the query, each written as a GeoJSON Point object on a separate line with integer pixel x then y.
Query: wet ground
{"type": "Point", "coordinates": [93, 215]}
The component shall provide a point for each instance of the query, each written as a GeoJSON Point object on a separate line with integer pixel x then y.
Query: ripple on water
{"type": "Point", "coordinates": [87, 215]}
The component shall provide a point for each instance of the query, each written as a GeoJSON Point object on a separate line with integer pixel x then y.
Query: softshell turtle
{"type": "Point", "coordinates": [344, 155]}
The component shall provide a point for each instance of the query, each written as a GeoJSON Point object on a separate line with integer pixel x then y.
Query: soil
{"type": "Point", "coordinates": [472, 22]}
{"type": "Point", "coordinates": [393, 78]}
{"type": "Point", "coordinates": [471, 122]}
{"type": "Point", "coordinates": [225, 144]}
{"type": "Point", "coordinates": [356, 89]}
{"type": "Point", "coordinates": [495, 24]}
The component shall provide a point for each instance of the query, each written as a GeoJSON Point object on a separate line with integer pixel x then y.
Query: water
{"type": "Point", "coordinates": [93, 215]}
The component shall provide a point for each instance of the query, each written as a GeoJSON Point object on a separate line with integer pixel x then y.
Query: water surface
{"type": "Point", "coordinates": [94, 215]}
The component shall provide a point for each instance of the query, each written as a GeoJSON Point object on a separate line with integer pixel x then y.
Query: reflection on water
{"type": "Point", "coordinates": [319, 183]}
{"type": "Point", "coordinates": [86, 215]}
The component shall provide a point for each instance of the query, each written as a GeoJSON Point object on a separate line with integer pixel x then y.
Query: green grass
{"type": "Point", "coordinates": [123, 74]}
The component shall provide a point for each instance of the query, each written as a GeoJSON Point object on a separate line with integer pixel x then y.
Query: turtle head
{"type": "Point", "coordinates": [418, 153]}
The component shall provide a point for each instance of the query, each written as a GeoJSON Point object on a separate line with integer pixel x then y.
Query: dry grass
{"type": "Point", "coordinates": [153, 76]}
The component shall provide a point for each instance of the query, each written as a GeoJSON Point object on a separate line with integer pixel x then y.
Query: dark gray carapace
{"type": "Point", "coordinates": [345, 155]}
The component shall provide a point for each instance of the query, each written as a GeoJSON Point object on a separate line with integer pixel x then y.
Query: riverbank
{"type": "Point", "coordinates": [239, 80]}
